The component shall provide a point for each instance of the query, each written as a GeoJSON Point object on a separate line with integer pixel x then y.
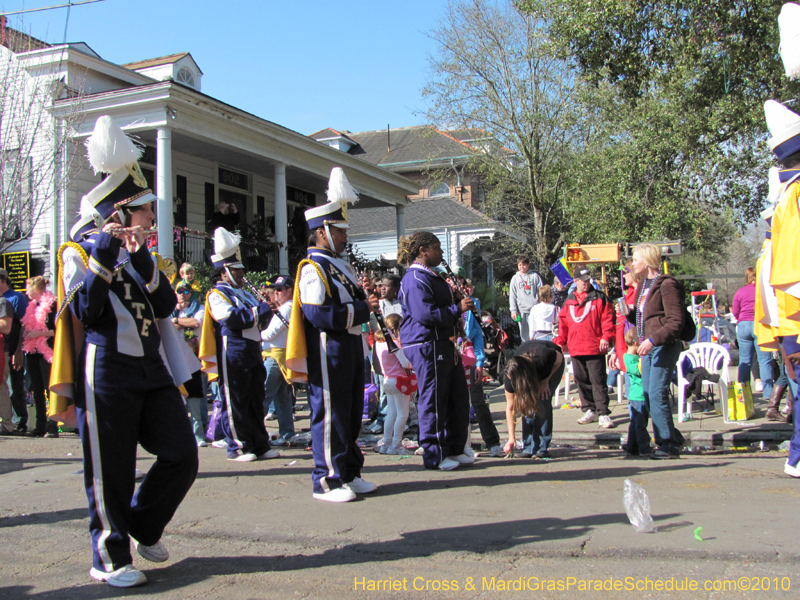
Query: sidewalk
{"type": "Point", "coordinates": [704, 430]}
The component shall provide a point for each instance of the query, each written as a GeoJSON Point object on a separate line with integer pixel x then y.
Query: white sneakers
{"type": "Point", "coordinates": [239, 457]}
{"type": "Point", "coordinates": [448, 464]}
{"type": "Point", "coordinates": [348, 491]}
{"type": "Point", "coordinates": [790, 470]}
{"type": "Point", "coordinates": [123, 577]}
{"type": "Point", "coordinates": [342, 494]}
{"type": "Point", "coordinates": [219, 444]}
{"type": "Point", "coordinates": [359, 486]}
{"type": "Point", "coordinates": [250, 457]}
{"type": "Point", "coordinates": [155, 553]}
{"type": "Point", "coordinates": [129, 576]}
{"type": "Point", "coordinates": [606, 422]}
{"type": "Point", "coordinates": [591, 417]}
{"type": "Point", "coordinates": [463, 459]}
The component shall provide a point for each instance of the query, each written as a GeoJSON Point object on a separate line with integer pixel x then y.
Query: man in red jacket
{"type": "Point", "coordinates": [586, 330]}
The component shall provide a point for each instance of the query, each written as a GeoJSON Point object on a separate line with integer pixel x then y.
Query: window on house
{"type": "Point", "coordinates": [181, 200]}
{"type": "Point", "coordinates": [440, 189]}
{"type": "Point", "coordinates": [185, 77]}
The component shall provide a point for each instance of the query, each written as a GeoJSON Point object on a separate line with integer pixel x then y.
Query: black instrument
{"type": "Point", "coordinates": [464, 294]}
{"type": "Point", "coordinates": [258, 295]}
{"type": "Point", "coordinates": [378, 316]}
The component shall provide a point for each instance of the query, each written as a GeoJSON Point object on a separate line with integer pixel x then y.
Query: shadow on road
{"type": "Point", "coordinates": [45, 518]}
{"type": "Point", "coordinates": [9, 465]}
{"type": "Point", "coordinates": [488, 537]}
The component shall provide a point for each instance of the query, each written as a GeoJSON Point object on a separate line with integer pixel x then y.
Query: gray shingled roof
{"type": "Point", "coordinates": [408, 144]}
{"type": "Point", "coordinates": [424, 214]}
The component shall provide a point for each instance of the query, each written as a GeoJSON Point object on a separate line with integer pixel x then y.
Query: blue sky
{"type": "Point", "coordinates": [304, 64]}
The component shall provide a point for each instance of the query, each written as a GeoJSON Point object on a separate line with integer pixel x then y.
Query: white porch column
{"type": "Point", "coordinates": [400, 214]}
{"type": "Point", "coordinates": [455, 251]}
{"type": "Point", "coordinates": [166, 245]}
{"type": "Point", "coordinates": [281, 218]}
{"type": "Point", "coordinates": [489, 270]}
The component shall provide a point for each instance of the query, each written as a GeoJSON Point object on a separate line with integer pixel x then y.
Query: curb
{"type": "Point", "coordinates": [693, 438]}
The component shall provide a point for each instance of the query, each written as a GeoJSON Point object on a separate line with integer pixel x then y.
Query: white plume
{"type": "Point", "coordinates": [779, 118]}
{"type": "Point", "coordinates": [339, 189]}
{"type": "Point", "coordinates": [789, 25]}
{"type": "Point", "coordinates": [109, 149]}
{"type": "Point", "coordinates": [226, 242]}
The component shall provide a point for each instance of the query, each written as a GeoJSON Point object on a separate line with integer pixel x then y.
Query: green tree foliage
{"type": "Point", "coordinates": [628, 120]}
{"type": "Point", "coordinates": [679, 89]}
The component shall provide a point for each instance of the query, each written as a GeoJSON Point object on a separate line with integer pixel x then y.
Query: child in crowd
{"type": "Point", "coordinates": [543, 316]}
{"type": "Point", "coordinates": [638, 437]}
{"type": "Point", "coordinates": [396, 370]}
{"type": "Point", "coordinates": [186, 273]}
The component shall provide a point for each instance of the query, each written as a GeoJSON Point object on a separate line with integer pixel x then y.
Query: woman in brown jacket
{"type": "Point", "coordinates": [658, 312]}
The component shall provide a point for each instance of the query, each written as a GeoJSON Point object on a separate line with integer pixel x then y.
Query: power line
{"type": "Point", "coordinates": [29, 10]}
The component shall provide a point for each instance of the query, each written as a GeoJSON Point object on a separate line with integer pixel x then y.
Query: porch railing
{"type": "Point", "coordinates": [196, 247]}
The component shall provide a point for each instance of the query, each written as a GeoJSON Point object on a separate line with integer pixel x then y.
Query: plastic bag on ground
{"type": "Point", "coordinates": [637, 505]}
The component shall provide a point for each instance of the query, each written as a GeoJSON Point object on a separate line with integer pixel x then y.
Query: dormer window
{"type": "Point", "coordinates": [185, 77]}
{"type": "Point", "coordinates": [440, 189]}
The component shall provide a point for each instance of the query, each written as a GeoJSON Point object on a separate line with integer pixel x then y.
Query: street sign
{"type": "Point", "coordinates": [18, 265]}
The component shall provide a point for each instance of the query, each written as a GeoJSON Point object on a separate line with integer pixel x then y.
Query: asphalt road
{"type": "Point", "coordinates": [253, 530]}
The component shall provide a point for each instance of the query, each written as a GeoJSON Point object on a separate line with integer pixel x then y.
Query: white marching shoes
{"type": "Point", "coordinates": [342, 494]}
{"type": "Point", "coordinates": [124, 577]}
{"type": "Point", "coordinates": [359, 486]}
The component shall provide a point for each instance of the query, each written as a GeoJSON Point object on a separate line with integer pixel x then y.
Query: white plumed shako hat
{"type": "Point", "coordinates": [784, 125]}
{"type": "Point", "coordinates": [226, 249]}
{"type": "Point", "coordinates": [334, 212]}
{"type": "Point", "coordinates": [112, 152]}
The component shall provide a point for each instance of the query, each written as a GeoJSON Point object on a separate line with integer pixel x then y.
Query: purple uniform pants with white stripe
{"type": "Point", "coordinates": [443, 400]}
{"type": "Point", "coordinates": [336, 394]}
{"type": "Point", "coordinates": [128, 401]}
{"type": "Point", "coordinates": [241, 385]}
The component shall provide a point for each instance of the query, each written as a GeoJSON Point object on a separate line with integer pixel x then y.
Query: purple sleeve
{"type": "Point", "coordinates": [421, 305]}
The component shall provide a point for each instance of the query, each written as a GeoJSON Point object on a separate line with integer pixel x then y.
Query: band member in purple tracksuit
{"type": "Point", "coordinates": [127, 394]}
{"type": "Point", "coordinates": [333, 309]}
{"type": "Point", "coordinates": [431, 311]}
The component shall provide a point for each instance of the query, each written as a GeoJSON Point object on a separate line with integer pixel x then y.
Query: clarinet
{"type": "Point", "coordinates": [378, 316]}
{"type": "Point", "coordinates": [258, 294]}
{"type": "Point", "coordinates": [464, 294]}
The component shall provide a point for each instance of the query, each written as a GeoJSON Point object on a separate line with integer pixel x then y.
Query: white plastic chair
{"type": "Point", "coordinates": [564, 382]}
{"type": "Point", "coordinates": [715, 359]}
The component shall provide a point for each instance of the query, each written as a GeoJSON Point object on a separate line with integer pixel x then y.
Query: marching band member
{"type": "Point", "coordinates": [778, 305]}
{"type": "Point", "coordinates": [128, 394]}
{"type": "Point", "coordinates": [230, 348]}
{"type": "Point", "coordinates": [430, 315]}
{"type": "Point", "coordinates": [325, 343]}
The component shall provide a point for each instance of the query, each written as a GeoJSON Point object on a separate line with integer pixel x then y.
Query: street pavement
{"type": "Point", "coordinates": [501, 528]}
